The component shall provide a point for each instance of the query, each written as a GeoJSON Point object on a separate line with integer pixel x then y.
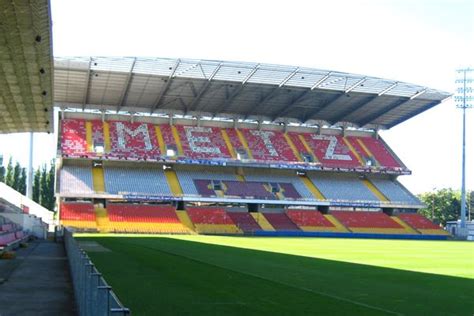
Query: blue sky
{"type": "Point", "coordinates": [421, 42]}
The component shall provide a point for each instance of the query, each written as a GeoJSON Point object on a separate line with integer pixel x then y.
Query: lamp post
{"type": "Point", "coordinates": [463, 99]}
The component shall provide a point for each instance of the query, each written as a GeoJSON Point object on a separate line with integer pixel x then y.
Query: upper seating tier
{"type": "Point", "coordinates": [138, 140]}
{"type": "Point", "coordinates": [329, 150]}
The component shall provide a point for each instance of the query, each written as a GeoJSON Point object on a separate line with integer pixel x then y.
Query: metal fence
{"type": "Point", "coordinates": [93, 295]}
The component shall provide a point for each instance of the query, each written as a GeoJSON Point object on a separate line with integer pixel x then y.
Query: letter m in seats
{"type": "Point", "coordinates": [141, 129]}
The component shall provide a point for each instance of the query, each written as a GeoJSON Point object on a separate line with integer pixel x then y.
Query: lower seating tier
{"type": "Point", "coordinates": [152, 228]}
{"type": "Point", "coordinates": [280, 221]}
{"type": "Point", "coordinates": [143, 213]}
{"type": "Point", "coordinates": [149, 218]}
{"type": "Point", "coordinates": [77, 211]}
{"type": "Point", "coordinates": [244, 221]}
{"type": "Point", "coordinates": [422, 224]}
{"type": "Point", "coordinates": [309, 218]}
{"type": "Point", "coordinates": [209, 215]}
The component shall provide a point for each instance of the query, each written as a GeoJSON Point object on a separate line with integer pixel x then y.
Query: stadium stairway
{"type": "Point", "coordinates": [407, 227]}
{"type": "Point", "coordinates": [369, 222]}
{"type": "Point", "coordinates": [98, 179]}
{"type": "Point", "coordinates": [292, 146]}
{"type": "Point", "coordinates": [159, 138]}
{"type": "Point", "coordinates": [89, 139]}
{"type": "Point", "coordinates": [340, 228]}
{"type": "Point", "coordinates": [228, 143]}
{"type": "Point", "coordinates": [106, 129]}
{"type": "Point", "coordinates": [244, 221]}
{"type": "Point", "coordinates": [212, 220]}
{"type": "Point", "coordinates": [375, 191]}
{"type": "Point", "coordinates": [173, 182]}
{"type": "Point", "coordinates": [179, 145]}
{"type": "Point", "coordinates": [185, 220]}
{"type": "Point", "coordinates": [353, 150]}
{"type": "Point", "coordinates": [312, 188]}
{"type": "Point", "coordinates": [422, 224]}
{"type": "Point", "coordinates": [367, 151]}
{"type": "Point", "coordinates": [244, 143]}
{"type": "Point", "coordinates": [262, 221]}
{"type": "Point", "coordinates": [311, 221]}
{"type": "Point", "coordinates": [102, 220]}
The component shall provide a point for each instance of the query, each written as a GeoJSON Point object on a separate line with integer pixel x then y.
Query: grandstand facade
{"type": "Point", "coordinates": [220, 173]}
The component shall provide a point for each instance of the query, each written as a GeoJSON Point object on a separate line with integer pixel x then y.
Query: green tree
{"type": "Point", "coordinates": [16, 176]}
{"type": "Point", "coordinates": [50, 187]}
{"type": "Point", "coordinates": [44, 186]}
{"type": "Point", "coordinates": [441, 205]}
{"type": "Point", "coordinates": [22, 185]}
{"type": "Point", "coordinates": [9, 174]}
{"type": "Point", "coordinates": [37, 186]}
{"type": "Point", "coordinates": [2, 174]}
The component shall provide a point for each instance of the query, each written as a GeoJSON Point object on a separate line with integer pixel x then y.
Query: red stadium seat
{"type": "Point", "coordinates": [308, 218]}
{"type": "Point", "coordinates": [76, 211]}
{"type": "Point", "coordinates": [209, 215]}
{"type": "Point", "coordinates": [135, 141]}
{"type": "Point", "coordinates": [365, 219]}
{"type": "Point", "coordinates": [280, 221]}
{"type": "Point", "coordinates": [143, 213]}
{"type": "Point", "coordinates": [418, 221]}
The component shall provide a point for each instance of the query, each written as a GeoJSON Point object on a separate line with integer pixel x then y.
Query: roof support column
{"type": "Point", "coordinates": [29, 183]}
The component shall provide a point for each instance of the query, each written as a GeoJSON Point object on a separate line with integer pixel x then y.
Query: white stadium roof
{"type": "Point", "coordinates": [200, 88]}
{"type": "Point", "coordinates": [26, 64]}
{"type": "Point", "coordinates": [237, 90]}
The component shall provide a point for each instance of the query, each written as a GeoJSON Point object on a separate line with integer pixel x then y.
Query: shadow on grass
{"type": "Point", "coordinates": [166, 276]}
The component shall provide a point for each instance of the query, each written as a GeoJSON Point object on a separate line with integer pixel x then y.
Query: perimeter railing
{"type": "Point", "coordinates": [94, 297]}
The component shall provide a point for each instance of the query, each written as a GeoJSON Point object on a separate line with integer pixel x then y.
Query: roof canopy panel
{"type": "Point", "coordinates": [26, 98]}
{"type": "Point", "coordinates": [237, 89]}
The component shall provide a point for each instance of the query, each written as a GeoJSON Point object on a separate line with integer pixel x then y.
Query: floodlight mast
{"type": "Point", "coordinates": [463, 100]}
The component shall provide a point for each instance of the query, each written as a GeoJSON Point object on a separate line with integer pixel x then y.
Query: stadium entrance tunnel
{"type": "Point", "coordinates": [203, 275]}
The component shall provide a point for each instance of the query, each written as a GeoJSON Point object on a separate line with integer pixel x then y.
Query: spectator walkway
{"type": "Point", "coordinates": [37, 282]}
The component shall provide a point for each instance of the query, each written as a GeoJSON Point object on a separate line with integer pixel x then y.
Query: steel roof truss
{"type": "Point", "coordinates": [381, 112]}
{"type": "Point", "coordinates": [126, 88]}
{"type": "Point", "coordinates": [318, 110]}
{"type": "Point", "coordinates": [204, 88]}
{"type": "Point", "coordinates": [289, 106]}
{"type": "Point", "coordinates": [86, 86]}
{"type": "Point", "coordinates": [320, 81]}
{"type": "Point", "coordinates": [413, 113]}
{"type": "Point", "coordinates": [388, 89]}
{"type": "Point", "coordinates": [157, 103]}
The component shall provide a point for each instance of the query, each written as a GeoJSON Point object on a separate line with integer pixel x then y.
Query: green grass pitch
{"type": "Point", "coordinates": [218, 275]}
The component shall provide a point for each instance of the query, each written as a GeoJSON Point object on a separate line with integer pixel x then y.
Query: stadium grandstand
{"type": "Point", "coordinates": [198, 147]}
{"type": "Point", "coordinates": [215, 147]}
